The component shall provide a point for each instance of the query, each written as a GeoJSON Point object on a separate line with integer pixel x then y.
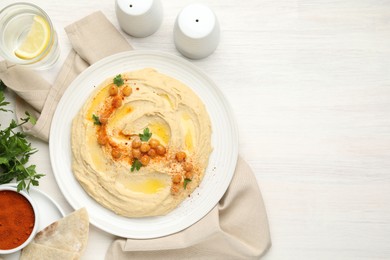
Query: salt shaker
{"type": "Point", "coordinates": [139, 18]}
{"type": "Point", "coordinates": [196, 31]}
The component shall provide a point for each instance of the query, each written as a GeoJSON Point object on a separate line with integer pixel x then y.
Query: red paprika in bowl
{"type": "Point", "coordinates": [18, 219]}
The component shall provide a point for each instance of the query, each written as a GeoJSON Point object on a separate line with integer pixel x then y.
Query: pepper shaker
{"type": "Point", "coordinates": [139, 18]}
{"type": "Point", "coordinates": [196, 31]}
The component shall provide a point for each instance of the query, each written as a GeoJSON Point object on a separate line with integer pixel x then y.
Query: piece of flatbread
{"type": "Point", "coordinates": [36, 251]}
{"type": "Point", "coordinates": [69, 233]}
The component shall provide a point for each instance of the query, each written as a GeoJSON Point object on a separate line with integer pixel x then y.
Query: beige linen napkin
{"type": "Point", "coordinates": [236, 228]}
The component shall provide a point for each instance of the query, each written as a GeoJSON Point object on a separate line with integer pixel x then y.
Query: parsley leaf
{"type": "Point", "coordinates": [31, 118]}
{"type": "Point", "coordinates": [2, 85]}
{"type": "Point", "coordinates": [136, 165]}
{"type": "Point", "coordinates": [146, 135]}
{"type": "Point", "coordinates": [3, 103]}
{"type": "Point", "coordinates": [15, 151]}
{"type": "Point", "coordinates": [118, 80]}
{"type": "Point", "coordinates": [186, 181]}
{"type": "Point", "coordinates": [96, 120]}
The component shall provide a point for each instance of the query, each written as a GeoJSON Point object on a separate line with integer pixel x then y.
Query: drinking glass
{"type": "Point", "coordinates": [27, 36]}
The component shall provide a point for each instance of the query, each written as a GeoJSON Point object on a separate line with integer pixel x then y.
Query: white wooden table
{"type": "Point", "coordinates": [309, 82]}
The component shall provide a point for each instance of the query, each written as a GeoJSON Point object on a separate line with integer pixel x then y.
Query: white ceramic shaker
{"type": "Point", "coordinates": [196, 32]}
{"type": "Point", "coordinates": [139, 18]}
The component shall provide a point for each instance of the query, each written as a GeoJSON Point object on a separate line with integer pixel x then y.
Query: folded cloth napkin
{"type": "Point", "coordinates": [237, 228]}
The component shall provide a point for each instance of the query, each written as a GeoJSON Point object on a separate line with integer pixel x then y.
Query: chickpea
{"type": "Point", "coordinates": [116, 102]}
{"type": "Point", "coordinates": [160, 149]}
{"type": "Point", "coordinates": [176, 178]}
{"type": "Point", "coordinates": [152, 153]}
{"type": "Point", "coordinates": [189, 175]}
{"type": "Point", "coordinates": [153, 142]}
{"type": "Point", "coordinates": [136, 153]}
{"type": "Point", "coordinates": [175, 189]}
{"type": "Point", "coordinates": [102, 139]}
{"type": "Point", "coordinates": [136, 142]}
{"type": "Point", "coordinates": [127, 90]}
{"type": "Point", "coordinates": [112, 142]}
{"type": "Point", "coordinates": [188, 166]}
{"type": "Point", "coordinates": [145, 160]}
{"type": "Point", "coordinates": [113, 90]}
{"type": "Point", "coordinates": [103, 119]}
{"type": "Point", "coordinates": [180, 156]}
{"type": "Point", "coordinates": [144, 147]}
{"type": "Point", "coordinates": [115, 153]}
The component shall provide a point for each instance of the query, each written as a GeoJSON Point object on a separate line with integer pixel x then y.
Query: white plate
{"type": "Point", "coordinates": [222, 161]}
{"type": "Point", "coordinates": [49, 211]}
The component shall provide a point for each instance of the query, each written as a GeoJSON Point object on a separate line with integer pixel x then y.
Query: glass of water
{"type": "Point", "coordinates": [27, 36]}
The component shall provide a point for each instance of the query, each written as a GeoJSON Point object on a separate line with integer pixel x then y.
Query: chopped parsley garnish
{"type": "Point", "coordinates": [136, 165]}
{"type": "Point", "coordinates": [146, 135]}
{"type": "Point", "coordinates": [96, 120]}
{"type": "Point", "coordinates": [186, 181]}
{"type": "Point", "coordinates": [118, 80]}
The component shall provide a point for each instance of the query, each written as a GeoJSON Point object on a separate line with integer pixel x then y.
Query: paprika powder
{"type": "Point", "coordinates": [17, 219]}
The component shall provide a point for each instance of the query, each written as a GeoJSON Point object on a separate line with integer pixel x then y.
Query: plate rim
{"type": "Point", "coordinates": [164, 55]}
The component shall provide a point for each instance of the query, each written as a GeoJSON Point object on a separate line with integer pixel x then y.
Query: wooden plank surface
{"type": "Point", "coordinates": [309, 84]}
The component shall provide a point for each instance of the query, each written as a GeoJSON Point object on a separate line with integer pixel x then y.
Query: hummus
{"type": "Point", "coordinates": [141, 143]}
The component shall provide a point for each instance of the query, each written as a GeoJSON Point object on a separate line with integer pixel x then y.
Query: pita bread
{"type": "Point", "coordinates": [41, 252]}
{"type": "Point", "coordinates": [69, 233]}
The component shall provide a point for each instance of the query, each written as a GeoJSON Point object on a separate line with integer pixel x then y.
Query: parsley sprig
{"type": "Point", "coordinates": [136, 165]}
{"type": "Point", "coordinates": [118, 80]}
{"type": "Point", "coordinates": [146, 135]}
{"type": "Point", "coordinates": [3, 103]}
{"type": "Point", "coordinates": [186, 181]}
{"type": "Point", "coordinates": [96, 120]}
{"type": "Point", "coordinates": [15, 151]}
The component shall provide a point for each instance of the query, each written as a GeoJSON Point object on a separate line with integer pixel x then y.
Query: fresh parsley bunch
{"type": "Point", "coordinates": [15, 151]}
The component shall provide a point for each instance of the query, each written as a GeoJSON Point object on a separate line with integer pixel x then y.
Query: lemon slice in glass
{"type": "Point", "coordinates": [36, 40]}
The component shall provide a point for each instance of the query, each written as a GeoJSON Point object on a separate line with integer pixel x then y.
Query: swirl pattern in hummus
{"type": "Point", "coordinates": [149, 176]}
